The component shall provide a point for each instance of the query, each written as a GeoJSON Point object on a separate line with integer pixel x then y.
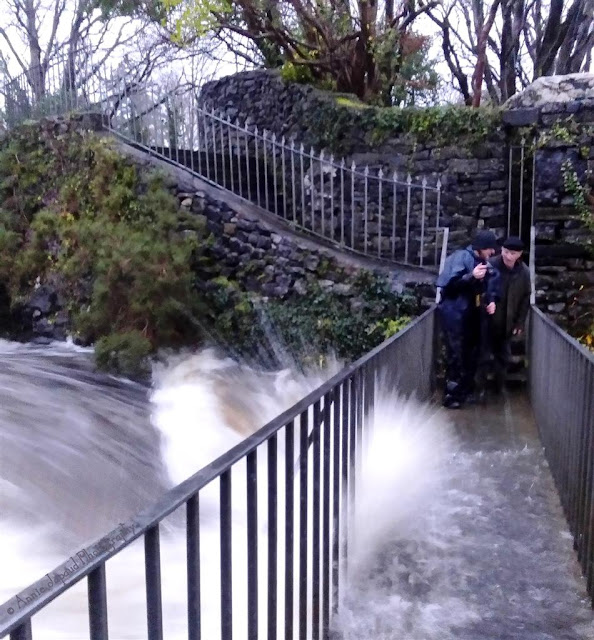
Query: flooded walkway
{"type": "Point", "coordinates": [490, 558]}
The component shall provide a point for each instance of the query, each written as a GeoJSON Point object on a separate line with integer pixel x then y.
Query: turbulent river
{"type": "Point", "coordinates": [81, 452]}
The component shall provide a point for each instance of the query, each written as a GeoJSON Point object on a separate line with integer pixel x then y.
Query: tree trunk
{"type": "Point", "coordinates": [479, 69]}
{"type": "Point", "coordinates": [552, 38]}
{"type": "Point", "coordinates": [364, 53]}
{"type": "Point", "coordinates": [573, 49]}
{"type": "Point", "coordinates": [513, 12]}
{"type": "Point", "coordinates": [36, 71]}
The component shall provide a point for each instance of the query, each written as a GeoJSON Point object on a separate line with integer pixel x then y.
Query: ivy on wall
{"type": "Point", "coordinates": [583, 203]}
{"type": "Point", "coordinates": [582, 200]}
{"type": "Point", "coordinates": [341, 122]}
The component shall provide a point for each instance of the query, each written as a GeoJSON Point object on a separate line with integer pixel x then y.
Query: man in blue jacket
{"type": "Point", "coordinates": [469, 288]}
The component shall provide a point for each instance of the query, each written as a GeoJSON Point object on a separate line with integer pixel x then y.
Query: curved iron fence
{"type": "Point", "coordinates": [305, 499]}
{"type": "Point", "coordinates": [364, 209]}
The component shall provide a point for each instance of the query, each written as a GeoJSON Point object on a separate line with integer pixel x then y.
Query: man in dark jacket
{"type": "Point", "coordinates": [469, 287]}
{"type": "Point", "coordinates": [510, 315]}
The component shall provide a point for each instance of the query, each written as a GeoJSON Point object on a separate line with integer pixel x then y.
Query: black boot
{"type": "Point", "coordinates": [451, 398]}
{"type": "Point", "coordinates": [450, 402]}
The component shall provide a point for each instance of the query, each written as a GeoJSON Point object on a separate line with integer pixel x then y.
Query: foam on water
{"type": "Point", "coordinates": [202, 405]}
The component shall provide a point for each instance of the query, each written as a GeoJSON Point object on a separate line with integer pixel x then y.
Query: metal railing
{"type": "Point", "coordinates": [362, 209]}
{"type": "Point", "coordinates": [365, 209]}
{"type": "Point", "coordinates": [307, 538]}
{"type": "Point", "coordinates": [521, 188]}
{"type": "Point", "coordinates": [561, 389]}
{"type": "Point", "coordinates": [72, 82]}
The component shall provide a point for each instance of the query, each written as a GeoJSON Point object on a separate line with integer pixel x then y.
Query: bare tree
{"type": "Point", "coordinates": [37, 33]}
{"type": "Point", "coordinates": [509, 43]}
{"type": "Point", "coordinates": [483, 28]}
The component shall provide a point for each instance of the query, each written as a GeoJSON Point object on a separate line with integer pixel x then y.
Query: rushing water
{"type": "Point", "coordinates": [80, 452]}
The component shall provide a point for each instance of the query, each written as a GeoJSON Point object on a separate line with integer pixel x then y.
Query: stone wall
{"type": "Point", "coordinates": [559, 114]}
{"type": "Point", "coordinates": [255, 251]}
{"type": "Point", "coordinates": [263, 254]}
{"type": "Point", "coordinates": [474, 170]}
{"type": "Point", "coordinates": [474, 180]}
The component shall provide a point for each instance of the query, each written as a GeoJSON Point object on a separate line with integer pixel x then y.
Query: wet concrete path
{"type": "Point", "coordinates": [490, 559]}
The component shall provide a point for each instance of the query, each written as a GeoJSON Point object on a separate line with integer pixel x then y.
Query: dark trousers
{"type": "Point", "coordinates": [461, 332]}
{"type": "Point", "coordinates": [495, 354]}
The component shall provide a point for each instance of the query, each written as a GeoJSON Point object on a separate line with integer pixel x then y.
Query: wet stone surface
{"type": "Point", "coordinates": [489, 558]}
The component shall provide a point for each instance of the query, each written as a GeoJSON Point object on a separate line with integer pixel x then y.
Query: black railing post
{"type": "Point", "coordinates": [336, 494]}
{"type": "Point", "coordinates": [578, 374]}
{"type": "Point", "coordinates": [24, 632]}
{"type": "Point", "coordinates": [346, 487]}
{"type": "Point", "coordinates": [315, 579]}
{"type": "Point", "coordinates": [96, 586]}
{"type": "Point", "coordinates": [154, 609]}
{"type": "Point", "coordinates": [326, 533]}
{"type": "Point", "coordinates": [584, 539]}
{"type": "Point", "coordinates": [252, 544]}
{"type": "Point", "coordinates": [289, 525]}
{"type": "Point", "coordinates": [272, 537]}
{"type": "Point", "coordinates": [226, 558]}
{"type": "Point", "coordinates": [353, 430]}
{"type": "Point", "coordinates": [303, 523]}
{"type": "Point", "coordinates": [193, 560]}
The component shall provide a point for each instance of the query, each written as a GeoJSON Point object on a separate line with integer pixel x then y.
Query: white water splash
{"type": "Point", "coordinates": [404, 469]}
{"type": "Point", "coordinates": [202, 406]}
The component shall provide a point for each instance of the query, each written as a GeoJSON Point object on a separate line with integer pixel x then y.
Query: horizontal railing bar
{"type": "Point", "coordinates": [33, 598]}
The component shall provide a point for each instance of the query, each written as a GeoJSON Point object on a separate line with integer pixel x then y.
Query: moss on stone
{"type": "Point", "coordinates": [340, 125]}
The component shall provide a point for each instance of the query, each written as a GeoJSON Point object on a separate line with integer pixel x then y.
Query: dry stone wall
{"type": "Point", "coordinates": [556, 121]}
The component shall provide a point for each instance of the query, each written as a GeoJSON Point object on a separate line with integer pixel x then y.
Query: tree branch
{"type": "Point", "coordinates": [477, 77]}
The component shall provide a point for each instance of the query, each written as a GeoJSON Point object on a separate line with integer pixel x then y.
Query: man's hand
{"type": "Point", "coordinates": [491, 308]}
{"type": "Point", "coordinates": [479, 271]}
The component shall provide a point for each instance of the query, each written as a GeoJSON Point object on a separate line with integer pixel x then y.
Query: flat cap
{"type": "Point", "coordinates": [513, 243]}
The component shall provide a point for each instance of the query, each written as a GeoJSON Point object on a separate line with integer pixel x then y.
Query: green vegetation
{"type": "Point", "coordinates": [123, 257]}
{"type": "Point", "coordinates": [124, 353]}
{"type": "Point", "coordinates": [77, 214]}
{"type": "Point", "coordinates": [587, 339]}
{"type": "Point", "coordinates": [333, 124]}
{"type": "Point", "coordinates": [291, 73]}
{"type": "Point", "coordinates": [579, 192]}
{"type": "Point", "coordinates": [321, 321]}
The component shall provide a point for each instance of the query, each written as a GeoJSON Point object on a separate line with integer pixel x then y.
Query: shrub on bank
{"type": "Point", "coordinates": [80, 215]}
{"type": "Point", "coordinates": [316, 323]}
{"type": "Point", "coordinates": [119, 253]}
{"type": "Point", "coordinates": [124, 353]}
